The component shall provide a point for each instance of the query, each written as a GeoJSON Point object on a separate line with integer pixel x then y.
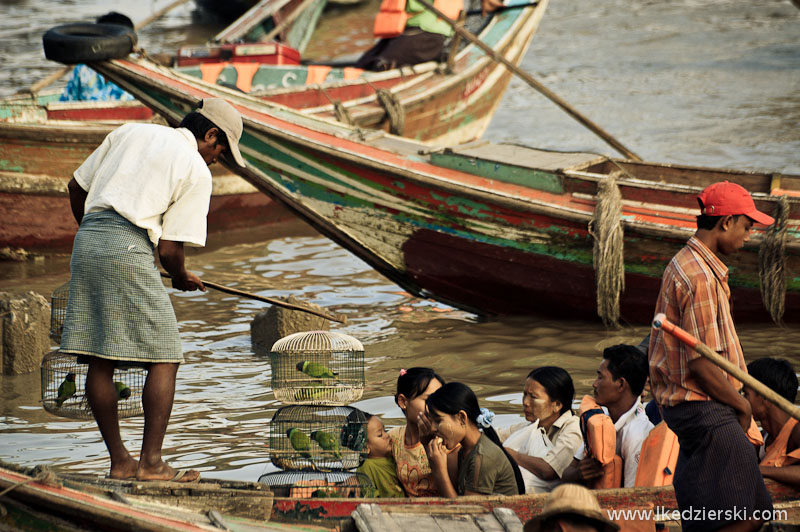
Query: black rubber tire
{"type": "Point", "coordinates": [83, 43]}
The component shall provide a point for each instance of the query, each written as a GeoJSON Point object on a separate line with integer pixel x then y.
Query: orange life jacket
{"type": "Point", "coordinates": [392, 17]}
{"type": "Point", "coordinates": [776, 452]}
{"type": "Point", "coordinates": [658, 457]}
{"type": "Point", "coordinates": [600, 438]}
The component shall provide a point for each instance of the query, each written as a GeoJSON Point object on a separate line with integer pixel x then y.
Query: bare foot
{"type": "Point", "coordinates": [125, 470]}
{"type": "Point", "coordinates": [164, 472]}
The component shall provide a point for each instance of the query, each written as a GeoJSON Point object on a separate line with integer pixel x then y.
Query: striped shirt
{"type": "Point", "coordinates": [695, 296]}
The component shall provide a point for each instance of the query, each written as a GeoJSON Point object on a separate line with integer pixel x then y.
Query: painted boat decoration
{"type": "Point", "coordinates": [248, 506]}
{"type": "Point", "coordinates": [495, 229]}
{"type": "Point", "coordinates": [42, 143]}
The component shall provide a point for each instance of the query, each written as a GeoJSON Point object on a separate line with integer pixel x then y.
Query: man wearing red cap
{"type": "Point", "coordinates": [700, 402]}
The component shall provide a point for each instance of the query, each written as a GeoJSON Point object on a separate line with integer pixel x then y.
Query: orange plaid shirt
{"type": "Point", "coordinates": [695, 296]}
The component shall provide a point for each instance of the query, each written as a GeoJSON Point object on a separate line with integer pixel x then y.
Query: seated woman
{"type": "Point", "coordinates": [481, 466]}
{"type": "Point", "coordinates": [543, 447]}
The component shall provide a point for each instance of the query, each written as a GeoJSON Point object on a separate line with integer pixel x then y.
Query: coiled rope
{"type": "Point", "coordinates": [608, 250]}
{"type": "Point", "coordinates": [772, 262]}
{"type": "Point", "coordinates": [394, 109]}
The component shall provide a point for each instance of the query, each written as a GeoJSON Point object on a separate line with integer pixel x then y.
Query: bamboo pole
{"type": "Point", "coordinates": [574, 113]}
{"type": "Point", "coordinates": [661, 322]}
{"type": "Point", "coordinates": [55, 76]}
{"type": "Point", "coordinates": [272, 301]}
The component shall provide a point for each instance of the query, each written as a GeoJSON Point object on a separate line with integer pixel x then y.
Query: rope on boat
{"type": "Point", "coordinates": [43, 474]}
{"type": "Point", "coordinates": [394, 110]}
{"type": "Point", "coordinates": [772, 262]}
{"type": "Point", "coordinates": [341, 112]}
{"type": "Point", "coordinates": [609, 261]}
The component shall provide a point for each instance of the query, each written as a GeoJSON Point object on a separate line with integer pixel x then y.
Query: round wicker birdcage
{"type": "Point", "coordinates": [58, 311]}
{"type": "Point", "coordinates": [318, 484]}
{"type": "Point", "coordinates": [317, 368]}
{"type": "Point", "coordinates": [318, 438]}
{"type": "Point", "coordinates": [64, 387]}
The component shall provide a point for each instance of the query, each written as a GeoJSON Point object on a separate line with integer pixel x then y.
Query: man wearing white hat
{"type": "Point", "coordinates": [147, 187]}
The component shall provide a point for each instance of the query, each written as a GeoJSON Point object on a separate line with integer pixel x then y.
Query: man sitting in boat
{"type": "Point", "coordinates": [410, 34]}
{"type": "Point", "coordinates": [618, 388]}
{"type": "Point", "coordinates": [780, 455]}
{"type": "Point", "coordinates": [87, 85]}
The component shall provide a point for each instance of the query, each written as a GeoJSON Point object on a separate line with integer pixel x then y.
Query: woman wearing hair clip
{"type": "Point", "coordinates": [459, 424]}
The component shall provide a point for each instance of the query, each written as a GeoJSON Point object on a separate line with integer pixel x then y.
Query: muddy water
{"type": "Point", "coordinates": [691, 81]}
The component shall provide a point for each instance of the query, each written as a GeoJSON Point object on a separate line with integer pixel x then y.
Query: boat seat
{"type": "Point", "coordinates": [526, 157]}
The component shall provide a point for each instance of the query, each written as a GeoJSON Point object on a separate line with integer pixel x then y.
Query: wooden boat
{"type": "Point", "coordinates": [496, 229]}
{"type": "Point", "coordinates": [43, 142]}
{"type": "Point", "coordinates": [429, 101]}
{"type": "Point", "coordinates": [248, 506]}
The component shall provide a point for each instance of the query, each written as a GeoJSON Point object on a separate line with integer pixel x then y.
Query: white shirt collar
{"type": "Point", "coordinates": [629, 415]}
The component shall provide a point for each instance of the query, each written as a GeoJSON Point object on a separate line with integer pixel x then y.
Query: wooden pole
{"type": "Point", "coordinates": [574, 113]}
{"type": "Point", "coordinates": [288, 20]}
{"type": "Point", "coordinates": [272, 301]}
{"type": "Point", "coordinates": [661, 322]}
{"type": "Point", "coordinates": [55, 76]}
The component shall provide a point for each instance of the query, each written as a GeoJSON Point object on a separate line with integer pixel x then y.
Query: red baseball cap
{"type": "Point", "coordinates": [724, 198]}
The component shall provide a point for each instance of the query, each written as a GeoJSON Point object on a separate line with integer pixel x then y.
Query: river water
{"type": "Point", "coordinates": [713, 82]}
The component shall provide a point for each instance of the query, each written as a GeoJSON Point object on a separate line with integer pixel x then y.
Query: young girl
{"type": "Point", "coordinates": [379, 465]}
{"type": "Point", "coordinates": [414, 386]}
{"type": "Point", "coordinates": [483, 465]}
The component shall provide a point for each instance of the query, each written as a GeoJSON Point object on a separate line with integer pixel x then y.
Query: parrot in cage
{"type": "Point", "coordinates": [328, 442]}
{"type": "Point", "coordinates": [123, 390]}
{"type": "Point", "coordinates": [66, 389]}
{"type": "Point", "coordinates": [300, 442]}
{"type": "Point", "coordinates": [318, 371]}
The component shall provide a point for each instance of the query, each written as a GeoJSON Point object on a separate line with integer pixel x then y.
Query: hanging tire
{"type": "Point", "coordinates": [82, 43]}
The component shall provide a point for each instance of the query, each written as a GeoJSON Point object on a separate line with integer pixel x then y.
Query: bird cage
{"type": "Point", "coordinates": [317, 367]}
{"type": "Point", "coordinates": [64, 387]}
{"type": "Point", "coordinates": [318, 484]}
{"type": "Point", "coordinates": [318, 438]}
{"type": "Point", "coordinates": [58, 311]}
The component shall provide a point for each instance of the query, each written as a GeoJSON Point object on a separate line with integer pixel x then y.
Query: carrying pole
{"type": "Point", "coordinates": [272, 301]}
{"type": "Point", "coordinates": [574, 113]}
{"type": "Point", "coordinates": [661, 322]}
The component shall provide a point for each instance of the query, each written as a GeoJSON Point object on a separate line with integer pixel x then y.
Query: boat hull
{"type": "Point", "coordinates": [493, 229]}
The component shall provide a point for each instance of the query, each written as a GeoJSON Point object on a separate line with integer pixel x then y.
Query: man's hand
{"type": "Point", "coordinates": [590, 468]}
{"type": "Point", "coordinates": [188, 283]}
{"type": "Point", "coordinates": [744, 415]}
{"type": "Point", "coordinates": [487, 6]}
{"type": "Point", "coordinates": [170, 253]}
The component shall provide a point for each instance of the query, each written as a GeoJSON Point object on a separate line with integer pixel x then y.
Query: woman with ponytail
{"type": "Point", "coordinates": [483, 467]}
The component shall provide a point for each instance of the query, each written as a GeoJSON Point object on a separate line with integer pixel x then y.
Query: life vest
{"type": "Point", "coordinates": [658, 457]}
{"type": "Point", "coordinates": [600, 438]}
{"type": "Point", "coordinates": [776, 453]}
{"type": "Point", "coordinates": [392, 17]}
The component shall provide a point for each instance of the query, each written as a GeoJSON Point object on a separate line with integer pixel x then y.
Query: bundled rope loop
{"type": "Point", "coordinates": [394, 110]}
{"type": "Point", "coordinates": [608, 250]}
{"type": "Point", "coordinates": [772, 262]}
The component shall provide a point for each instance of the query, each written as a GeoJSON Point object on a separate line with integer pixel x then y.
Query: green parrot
{"type": "Point", "coordinates": [66, 390]}
{"type": "Point", "coordinates": [328, 442]}
{"type": "Point", "coordinates": [324, 493]}
{"type": "Point", "coordinates": [300, 442]}
{"type": "Point", "coordinates": [318, 371]}
{"type": "Point", "coordinates": [123, 391]}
